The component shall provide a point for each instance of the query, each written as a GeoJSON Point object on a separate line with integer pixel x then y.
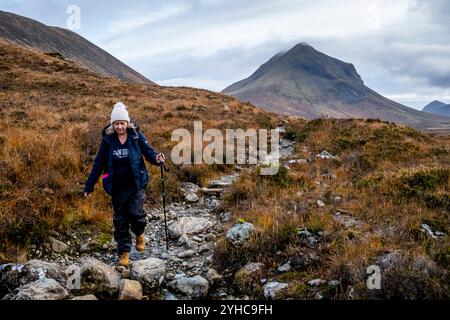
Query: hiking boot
{"type": "Point", "coordinates": [124, 259]}
{"type": "Point", "coordinates": [140, 243]}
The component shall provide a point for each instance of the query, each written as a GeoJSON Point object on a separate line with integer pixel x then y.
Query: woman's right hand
{"type": "Point", "coordinates": [87, 195]}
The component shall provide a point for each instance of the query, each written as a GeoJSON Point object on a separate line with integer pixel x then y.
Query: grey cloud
{"type": "Point", "coordinates": [224, 66]}
{"type": "Point", "coordinates": [405, 60]}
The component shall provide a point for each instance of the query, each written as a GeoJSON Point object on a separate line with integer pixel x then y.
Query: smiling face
{"type": "Point", "coordinates": [120, 126]}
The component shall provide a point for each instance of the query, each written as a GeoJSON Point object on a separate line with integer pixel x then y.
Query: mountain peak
{"type": "Point", "coordinates": [308, 83]}
{"type": "Point", "coordinates": [438, 107]}
{"type": "Point", "coordinates": [434, 104]}
{"type": "Point", "coordinates": [302, 45]}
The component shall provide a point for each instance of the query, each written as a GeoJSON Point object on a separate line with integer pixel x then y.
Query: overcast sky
{"type": "Point", "coordinates": [400, 48]}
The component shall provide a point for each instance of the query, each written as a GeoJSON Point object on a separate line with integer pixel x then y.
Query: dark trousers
{"type": "Point", "coordinates": [128, 212]}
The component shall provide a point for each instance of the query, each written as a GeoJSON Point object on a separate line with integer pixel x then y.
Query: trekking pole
{"type": "Point", "coordinates": [164, 168]}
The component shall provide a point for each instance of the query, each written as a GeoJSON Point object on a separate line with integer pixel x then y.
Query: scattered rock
{"type": "Point", "coordinates": [191, 197]}
{"type": "Point", "coordinates": [308, 236]}
{"type": "Point", "coordinates": [149, 272]}
{"type": "Point", "coordinates": [326, 155]}
{"type": "Point", "coordinates": [188, 225]}
{"type": "Point", "coordinates": [186, 254]}
{"type": "Point", "coordinates": [392, 260]}
{"type": "Point", "coordinates": [225, 216]}
{"type": "Point", "coordinates": [195, 287]}
{"type": "Point", "coordinates": [58, 246]}
{"type": "Point", "coordinates": [99, 278]}
{"type": "Point", "coordinates": [274, 290]}
{"type": "Point", "coordinates": [223, 182]}
{"type": "Point", "coordinates": [284, 268]}
{"type": "Point", "coordinates": [85, 248]}
{"type": "Point", "coordinates": [190, 191]}
{"type": "Point", "coordinates": [424, 265]}
{"type": "Point", "coordinates": [44, 289]}
{"type": "Point", "coordinates": [248, 278]}
{"type": "Point", "coordinates": [347, 220]}
{"type": "Point", "coordinates": [189, 187]}
{"type": "Point", "coordinates": [329, 176]}
{"type": "Point", "coordinates": [212, 276]}
{"type": "Point", "coordinates": [183, 240]}
{"type": "Point", "coordinates": [334, 283]}
{"type": "Point", "coordinates": [126, 274]}
{"type": "Point", "coordinates": [316, 282]}
{"type": "Point", "coordinates": [16, 275]}
{"type": "Point", "coordinates": [320, 203]}
{"type": "Point", "coordinates": [212, 204]}
{"type": "Point", "coordinates": [298, 161]}
{"type": "Point", "coordinates": [240, 232]}
{"type": "Point", "coordinates": [387, 232]}
{"type": "Point", "coordinates": [426, 228]}
{"type": "Point", "coordinates": [130, 290]}
{"type": "Point", "coordinates": [318, 296]}
{"type": "Point", "coordinates": [203, 248]}
{"type": "Point", "coordinates": [168, 295]}
{"type": "Point", "coordinates": [85, 297]}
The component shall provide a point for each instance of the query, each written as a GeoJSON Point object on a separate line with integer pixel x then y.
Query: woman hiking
{"type": "Point", "coordinates": [120, 163]}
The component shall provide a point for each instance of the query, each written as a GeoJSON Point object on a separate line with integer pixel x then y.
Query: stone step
{"type": "Point", "coordinates": [219, 184]}
{"type": "Point", "coordinates": [211, 190]}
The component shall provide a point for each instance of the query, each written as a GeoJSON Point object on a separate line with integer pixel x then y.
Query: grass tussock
{"type": "Point", "coordinates": [386, 183]}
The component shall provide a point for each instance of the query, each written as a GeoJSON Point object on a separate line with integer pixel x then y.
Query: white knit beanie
{"type": "Point", "coordinates": [119, 113]}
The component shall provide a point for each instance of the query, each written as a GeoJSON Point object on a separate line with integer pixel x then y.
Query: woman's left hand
{"type": "Point", "coordinates": [160, 158]}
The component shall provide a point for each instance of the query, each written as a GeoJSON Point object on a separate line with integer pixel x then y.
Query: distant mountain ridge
{"type": "Point", "coordinates": [307, 83]}
{"type": "Point", "coordinates": [438, 107]}
{"type": "Point", "coordinates": [33, 34]}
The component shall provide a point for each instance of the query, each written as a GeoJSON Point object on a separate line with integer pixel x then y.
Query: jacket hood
{"type": "Point", "coordinates": [132, 130]}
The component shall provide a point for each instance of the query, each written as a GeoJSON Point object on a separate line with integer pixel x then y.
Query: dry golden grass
{"type": "Point", "coordinates": [387, 175]}
{"type": "Point", "coordinates": [52, 113]}
{"type": "Point", "coordinates": [382, 185]}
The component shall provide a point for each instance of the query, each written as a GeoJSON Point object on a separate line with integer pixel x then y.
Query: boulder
{"type": "Point", "coordinates": [189, 191]}
{"type": "Point", "coordinates": [274, 290]}
{"type": "Point", "coordinates": [58, 246]}
{"type": "Point", "coordinates": [44, 289]}
{"type": "Point", "coordinates": [188, 225]}
{"type": "Point", "coordinates": [194, 287]}
{"type": "Point", "coordinates": [99, 278]}
{"type": "Point", "coordinates": [212, 276]}
{"type": "Point", "coordinates": [284, 268]}
{"type": "Point", "coordinates": [248, 278]}
{"type": "Point", "coordinates": [130, 290]}
{"type": "Point", "coordinates": [240, 233]}
{"type": "Point", "coordinates": [149, 272]}
{"type": "Point", "coordinates": [15, 275]}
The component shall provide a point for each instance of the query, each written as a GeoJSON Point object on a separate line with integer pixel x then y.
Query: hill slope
{"type": "Point", "coordinates": [50, 104]}
{"type": "Point", "coordinates": [33, 34]}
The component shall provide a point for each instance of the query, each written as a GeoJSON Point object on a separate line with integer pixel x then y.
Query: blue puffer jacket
{"type": "Point", "coordinates": [137, 147]}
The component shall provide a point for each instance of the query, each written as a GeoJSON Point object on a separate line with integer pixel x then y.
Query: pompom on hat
{"type": "Point", "coordinates": [119, 112]}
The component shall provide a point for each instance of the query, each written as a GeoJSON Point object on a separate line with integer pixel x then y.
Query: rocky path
{"type": "Point", "coordinates": [88, 270]}
{"type": "Point", "coordinates": [182, 272]}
